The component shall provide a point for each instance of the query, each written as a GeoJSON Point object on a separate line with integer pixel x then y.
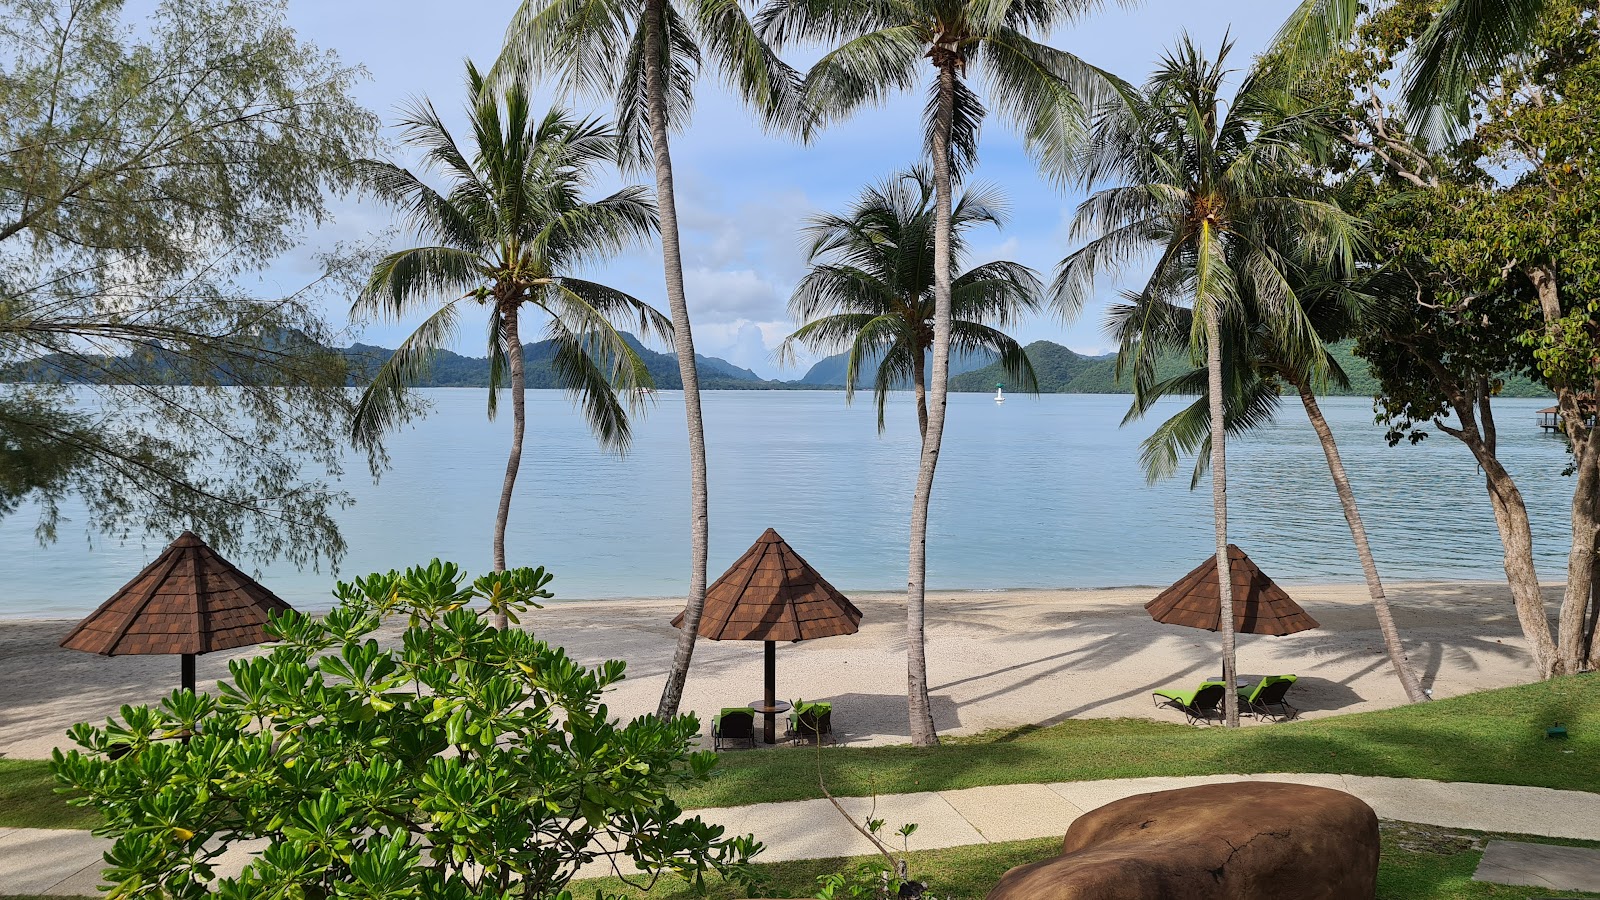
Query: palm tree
{"type": "Point", "coordinates": [1461, 49]}
{"type": "Point", "coordinates": [870, 289]}
{"type": "Point", "coordinates": [1222, 201]}
{"type": "Point", "coordinates": [645, 57]}
{"type": "Point", "coordinates": [879, 49]}
{"type": "Point", "coordinates": [506, 233]}
{"type": "Point", "coordinates": [1258, 366]}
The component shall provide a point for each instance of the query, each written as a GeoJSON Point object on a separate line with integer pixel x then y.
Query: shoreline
{"type": "Point", "coordinates": [996, 659]}
{"type": "Point", "coordinates": [1309, 583]}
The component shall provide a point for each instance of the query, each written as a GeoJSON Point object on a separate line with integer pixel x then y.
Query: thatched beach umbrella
{"type": "Point", "coordinates": [189, 601]}
{"type": "Point", "coordinates": [771, 594]}
{"type": "Point", "coordinates": [1259, 605]}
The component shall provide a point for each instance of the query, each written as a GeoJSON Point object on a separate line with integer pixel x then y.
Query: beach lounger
{"type": "Point", "coordinates": [1198, 706]}
{"type": "Point", "coordinates": [811, 722]}
{"type": "Point", "coordinates": [1269, 692]}
{"type": "Point", "coordinates": [734, 723]}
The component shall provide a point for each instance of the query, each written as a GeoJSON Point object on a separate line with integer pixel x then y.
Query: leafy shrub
{"type": "Point", "coordinates": [466, 762]}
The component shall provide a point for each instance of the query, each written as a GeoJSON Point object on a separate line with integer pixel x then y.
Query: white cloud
{"type": "Point", "coordinates": [726, 296]}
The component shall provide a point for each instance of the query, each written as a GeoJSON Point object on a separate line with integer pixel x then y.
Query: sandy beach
{"type": "Point", "coordinates": [995, 660]}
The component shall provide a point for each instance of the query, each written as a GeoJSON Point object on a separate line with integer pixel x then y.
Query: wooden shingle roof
{"type": "Point", "coordinates": [190, 600]}
{"type": "Point", "coordinates": [772, 594]}
{"type": "Point", "coordinates": [1259, 605]}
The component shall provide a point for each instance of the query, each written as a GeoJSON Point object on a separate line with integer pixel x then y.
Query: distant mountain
{"type": "Point", "coordinates": [830, 371]}
{"type": "Point", "coordinates": [1061, 371]}
{"type": "Point", "coordinates": [454, 370]}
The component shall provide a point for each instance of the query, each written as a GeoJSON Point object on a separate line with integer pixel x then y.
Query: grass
{"type": "Point", "coordinates": [28, 798]}
{"type": "Point", "coordinates": [1493, 736]}
{"type": "Point", "coordinates": [1418, 862]}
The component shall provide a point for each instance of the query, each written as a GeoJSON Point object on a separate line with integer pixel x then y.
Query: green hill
{"type": "Point", "coordinates": [1061, 371]}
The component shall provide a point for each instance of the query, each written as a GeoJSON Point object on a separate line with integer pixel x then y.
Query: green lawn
{"type": "Point", "coordinates": [1494, 736]}
{"type": "Point", "coordinates": [1418, 862]}
{"type": "Point", "coordinates": [28, 798]}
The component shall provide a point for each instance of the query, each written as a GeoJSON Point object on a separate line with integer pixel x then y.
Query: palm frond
{"type": "Point", "coordinates": [383, 402]}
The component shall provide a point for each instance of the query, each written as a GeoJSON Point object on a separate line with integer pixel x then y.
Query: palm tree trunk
{"type": "Point", "coordinates": [1352, 515]}
{"type": "Point", "coordinates": [518, 426]}
{"type": "Point", "coordinates": [923, 732]}
{"type": "Point", "coordinates": [919, 382]}
{"type": "Point", "coordinates": [683, 342]}
{"type": "Point", "coordinates": [1219, 506]}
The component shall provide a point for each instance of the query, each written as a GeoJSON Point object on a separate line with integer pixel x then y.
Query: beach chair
{"type": "Point", "coordinates": [1198, 706]}
{"type": "Point", "coordinates": [811, 722]}
{"type": "Point", "coordinates": [734, 723]}
{"type": "Point", "coordinates": [1267, 693]}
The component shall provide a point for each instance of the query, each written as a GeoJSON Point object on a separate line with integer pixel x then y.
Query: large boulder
{"type": "Point", "coordinates": [1242, 841]}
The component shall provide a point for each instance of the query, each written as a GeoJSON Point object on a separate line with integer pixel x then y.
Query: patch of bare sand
{"type": "Point", "coordinates": [995, 660]}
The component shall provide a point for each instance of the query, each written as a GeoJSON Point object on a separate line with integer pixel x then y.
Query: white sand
{"type": "Point", "coordinates": [995, 660]}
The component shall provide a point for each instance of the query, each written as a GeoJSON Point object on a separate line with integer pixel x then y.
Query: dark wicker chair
{"type": "Point", "coordinates": [733, 724]}
{"type": "Point", "coordinates": [811, 722]}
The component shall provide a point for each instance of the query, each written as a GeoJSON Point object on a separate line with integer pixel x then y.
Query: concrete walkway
{"type": "Point", "coordinates": [67, 863]}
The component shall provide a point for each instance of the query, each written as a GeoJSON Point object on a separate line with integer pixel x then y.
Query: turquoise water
{"type": "Point", "coordinates": [1039, 492]}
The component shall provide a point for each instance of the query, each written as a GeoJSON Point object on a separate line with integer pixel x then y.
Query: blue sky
{"type": "Point", "coordinates": [743, 195]}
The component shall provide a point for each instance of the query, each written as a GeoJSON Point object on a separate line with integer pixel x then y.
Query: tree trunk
{"type": "Point", "coordinates": [1591, 653]}
{"type": "Point", "coordinates": [513, 341]}
{"type": "Point", "coordinates": [1478, 433]}
{"type": "Point", "coordinates": [923, 732]}
{"type": "Point", "coordinates": [1570, 648]}
{"type": "Point", "coordinates": [1358, 532]}
{"type": "Point", "coordinates": [1219, 507]}
{"type": "Point", "coordinates": [919, 382]}
{"type": "Point", "coordinates": [1570, 651]}
{"type": "Point", "coordinates": [683, 342]}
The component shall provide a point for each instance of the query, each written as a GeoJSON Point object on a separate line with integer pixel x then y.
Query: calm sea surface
{"type": "Point", "coordinates": [1042, 492]}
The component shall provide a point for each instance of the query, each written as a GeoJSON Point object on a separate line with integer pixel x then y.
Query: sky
{"type": "Point", "coordinates": [743, 196]}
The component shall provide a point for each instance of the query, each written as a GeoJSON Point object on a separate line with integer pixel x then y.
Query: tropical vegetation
{"type": "Point", "coordinates": [149, 174]}
{"type": "Point", "coordinates": [878, 48]}
{"type": "Point", "coordinates": [869, 291]}
{"type": "Point", "coordinates": [1224, 202]}
{"type": "Point", "coordinates": [1487, 243]}
{"type": "Point", "coordinates": [651, 81]}
{"type": "Point", "coordinates": [1262, 370]}
{"type": "Point", "coordinates": [466, 761]}
{"type": "Point", "coordinates": [507, 234]}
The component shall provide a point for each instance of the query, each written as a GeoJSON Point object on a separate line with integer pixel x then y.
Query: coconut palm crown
{"type": "Point", "coordinates": [870, 289]}
{"type": "Point", "coordinates": [1255, 372]}
{"type": "Point", "coordinates": [506, 234]}
{"type": "Point", "coordinates": [1464, 45]}
{"type": "Point", "coordinates": [878, 47]}
{"type": "Point", "coordinates": [644, 56]}
{"type": "Point", "coordinates": [1223, 202]}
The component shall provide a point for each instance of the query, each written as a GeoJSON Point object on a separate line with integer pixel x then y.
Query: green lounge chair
{"type": "Point", "coordinates": [1267, 693]}
{"type": "Point", "coordinates": [810, 722]}
{"type": "Point", "coordinates": [1198, 706]}
{"type": "Point", "coordinates": [734, 723]}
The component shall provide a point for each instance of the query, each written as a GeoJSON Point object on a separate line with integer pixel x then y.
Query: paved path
{"type": "Point", "coordinates": [67, 863]}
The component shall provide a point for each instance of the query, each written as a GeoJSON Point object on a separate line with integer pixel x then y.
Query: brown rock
{"type": "Point", "coordinates": [1243, 841]}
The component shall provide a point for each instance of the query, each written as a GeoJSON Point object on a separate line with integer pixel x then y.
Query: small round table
{"type": "Point", "coordinates": [770, 729]}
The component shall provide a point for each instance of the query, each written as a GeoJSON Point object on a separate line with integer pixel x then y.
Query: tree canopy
{"type": "Point", "coordinates": [147, 170]}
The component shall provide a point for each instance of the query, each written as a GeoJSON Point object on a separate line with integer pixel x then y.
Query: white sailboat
{"type": "Point", "coordinates": [999, 393]}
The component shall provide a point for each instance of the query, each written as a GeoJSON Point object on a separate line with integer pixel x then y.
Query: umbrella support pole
{"type": "Point", "coordinates": [770, 697]}
{"type": "Point", "coordinates": [188, 672]}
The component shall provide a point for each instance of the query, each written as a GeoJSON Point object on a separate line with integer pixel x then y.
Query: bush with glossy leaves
{"type": "Point", "coordinates": [459, 761]}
